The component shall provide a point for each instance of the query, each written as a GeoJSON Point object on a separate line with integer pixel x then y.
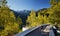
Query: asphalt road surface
{"type": "Point", "coordinates": [38, 32]}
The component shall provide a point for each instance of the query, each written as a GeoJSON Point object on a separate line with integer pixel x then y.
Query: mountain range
{"type": "Point", "coordinates": [24, 14]}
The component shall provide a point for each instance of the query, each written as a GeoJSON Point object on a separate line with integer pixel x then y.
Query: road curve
{"type": "Point", "coordinates": [37, 32]}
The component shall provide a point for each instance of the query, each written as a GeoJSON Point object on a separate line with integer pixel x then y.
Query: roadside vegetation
{"type": "Point", "coordinates": [10, 25]}
{"type": "Point", "coordinates": [46, 15]}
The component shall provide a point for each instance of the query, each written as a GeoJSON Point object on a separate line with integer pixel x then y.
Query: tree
{"type": "Point", "coordinates": [8, 23]}
{"type": "Point", "coordinates": [3, 3]}
{"type": "Point", "coordinates": [54, 2]}
{"type": "Point", "coordinates": [32, 18]}
{"type": "Point", "coordinates": [55, 9]}
{"type": "Point", "coordinates": [19, 20]}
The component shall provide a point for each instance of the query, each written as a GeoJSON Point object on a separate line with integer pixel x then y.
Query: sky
{"type": "Point", "coordinates": [28, 4]}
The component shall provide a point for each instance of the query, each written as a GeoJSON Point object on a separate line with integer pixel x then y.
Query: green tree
{"type": "Point", "coordinates": [55, 11]}
{"type": "Point", "coordinates": [32, 18]}
{"type": "Point", "coordinates": [8, 22]}
{"type": "Point", "coordinates": [54, 2]}
{"type": "Point", "coordinates": [19, 20]}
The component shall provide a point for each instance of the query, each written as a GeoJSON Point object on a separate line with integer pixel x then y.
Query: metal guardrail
{"type": "Point", "coordinates": [51, 33]}
{"type": "Point", "coordinates": [27, 31]}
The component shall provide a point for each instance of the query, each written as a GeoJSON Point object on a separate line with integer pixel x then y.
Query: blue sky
{"type": "Point", "coordinates": [28, 4]}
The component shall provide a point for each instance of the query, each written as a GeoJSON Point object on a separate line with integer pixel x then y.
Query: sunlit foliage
{"type": "Point", "coordinates": [49, 15]}
{"type": "Point", "coordinates": [8, 23]}
{"type": "Point", "coordinates": [34, 20]}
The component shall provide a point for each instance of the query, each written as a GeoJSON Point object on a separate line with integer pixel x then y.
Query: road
{"type": "Point", "coordinates": [37, 32]}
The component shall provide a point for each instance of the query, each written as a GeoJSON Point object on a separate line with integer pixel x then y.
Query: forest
{"type": "Point", "coordinates": [46, 15]}
{"type": "Point", "coordinates": [10, 25]}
